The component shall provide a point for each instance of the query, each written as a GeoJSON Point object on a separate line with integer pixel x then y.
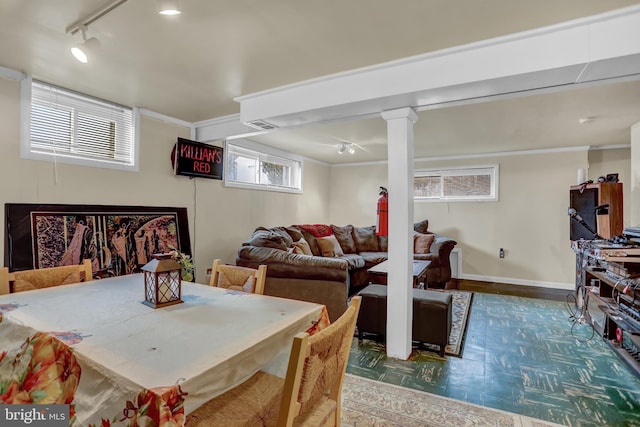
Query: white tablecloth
{"type": "Point", "coordinates": [136, 357]}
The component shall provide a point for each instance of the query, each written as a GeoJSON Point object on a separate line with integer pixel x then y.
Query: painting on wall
{"type": "Point", "coordinates": [118, 239]}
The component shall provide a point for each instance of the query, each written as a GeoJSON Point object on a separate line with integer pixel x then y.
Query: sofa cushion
{"type": "Point", "coordinates": [422, 226]}
{"type": "Point", "coordinates": [311, 240]}
{"type": "Point", "coordinates": [282, 231]}
{"type": "Point", "coordinates": [373, 258]}
{"type": "Point", "coordinates": [434, 258]}
{"type": "Point", "coordinates": [268, 239]}
{"type": "Point", "coordinates": [422, 243]}
{"type": "Point", "coordinates": [252, 255]}
{"type": "Point", "coordinates": [366, 239]}
{"type": "Point", "coordinates": [329, 246]}
{"type": "Point", "coordinates": [318, 230]}
{"type": "Point", "coordinates": [355, 261]}
{"type": "Point", "coordinates": [345, 238]}
{"type": "Point", "coordinates": [301, 247]}
{"type": "Point", "coordinates": [294, 232]}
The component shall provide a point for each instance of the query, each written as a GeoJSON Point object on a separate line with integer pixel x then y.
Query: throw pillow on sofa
{"type": "Point", "coordinates": [318, 230]}
{"type": "Point", "coordinates": [345, 238]}
{"type": "Point", "coordinates": [311, 240]}
{"type": "Point", "coordinates": [422, 242]}
{"type": "Point", "coordinates": [366, 239]}
{"type": "Point", "coordinates": [329, 246]}
{"type": "Point", "coordinates": [301, 247]}
{"type": "Point", "coordinates": [268, 239]}
{"type": "Point", "coordinates": [422, 226]}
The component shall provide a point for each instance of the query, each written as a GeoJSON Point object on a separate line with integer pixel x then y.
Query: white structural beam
{"type": "Point", "coordinates": [223, 128]}
{"type": "Point", "coordinates": [592, 49]}
{"type": "Point", "coordinates": [400, 273]}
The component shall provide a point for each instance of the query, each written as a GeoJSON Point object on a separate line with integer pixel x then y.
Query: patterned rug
{"type": "Point", "coordinates": [459, 316]}
{"type": "Point", "coordinates": [372, 403]}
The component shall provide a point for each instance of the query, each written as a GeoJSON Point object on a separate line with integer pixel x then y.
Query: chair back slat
{"type": "Point", "coordinates": [317, 372]}
{"type": "Point", "coordinates": [28, 280]}
{"type": "Point", "coordinates": [238, 278]}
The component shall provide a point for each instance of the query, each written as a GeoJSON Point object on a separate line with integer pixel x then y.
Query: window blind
{"type": "Point", "coordinates": [65, 123]}
{"type": "Point", "coordinates": [476, 183]}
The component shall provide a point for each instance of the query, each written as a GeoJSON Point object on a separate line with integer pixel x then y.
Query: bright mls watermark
{"type": "Point", "coordinates": [34, 415]}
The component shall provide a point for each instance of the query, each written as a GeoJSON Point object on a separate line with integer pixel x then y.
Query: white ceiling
{"type": "Point", "coordinates": [193, 65]}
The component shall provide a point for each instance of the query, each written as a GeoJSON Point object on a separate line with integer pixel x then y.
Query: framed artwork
{"type": "Point", "coordinates": [118, 239]}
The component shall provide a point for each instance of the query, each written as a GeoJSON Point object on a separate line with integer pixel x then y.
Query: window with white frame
{"type": "Point", "coordinates": [69, 127]}
{"type": "Point", "coordinates": [461, 184]}
{"type": "Point", "coordinates": [252, 165]}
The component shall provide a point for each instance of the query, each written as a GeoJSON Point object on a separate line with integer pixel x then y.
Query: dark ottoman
{"type": "Point", "coordinates": [431, 315]}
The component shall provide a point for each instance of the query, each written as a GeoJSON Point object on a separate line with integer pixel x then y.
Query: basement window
{"type": "Point", "coordinates": [68, 127]}
{"type": "Point", "coordinates": [255, 166]}
{"type": "Point", "coordinates": [456, 184]}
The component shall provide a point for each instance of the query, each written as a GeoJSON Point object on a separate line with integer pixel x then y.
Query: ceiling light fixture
{"type": "Point", "coordinates": [82, 51]}
{"type": "Point", "coordinates": [346, 146]}
{"type": "Point", "coordinates": [85, 50]}
{"type": "Point", "coordinates": [169, 7]}
{"type": "Point", "coordinates": [586, 120]}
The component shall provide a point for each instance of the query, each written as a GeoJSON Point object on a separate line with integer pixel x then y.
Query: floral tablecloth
{"type": "Point", "coordinates": [116, 361]}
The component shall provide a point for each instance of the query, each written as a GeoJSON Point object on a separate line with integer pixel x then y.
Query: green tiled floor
{"type": "Point", "coordinates": [520, 355]}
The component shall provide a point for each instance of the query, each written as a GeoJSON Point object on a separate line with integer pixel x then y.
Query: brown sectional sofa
{"type": "Point", "coordinates": [330, 280]}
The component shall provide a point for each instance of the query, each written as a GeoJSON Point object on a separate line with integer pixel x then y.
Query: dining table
{"type": "Point", "coordinates": [118, 362]}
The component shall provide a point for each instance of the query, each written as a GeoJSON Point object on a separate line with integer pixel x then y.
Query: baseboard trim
{"type": "Point", "coordinates": [520, 282]}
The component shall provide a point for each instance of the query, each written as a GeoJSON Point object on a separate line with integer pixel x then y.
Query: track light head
{"type": "Point", "coordinates": [346, 147]}
{"type": "Point", "coordinates": [85, 50]}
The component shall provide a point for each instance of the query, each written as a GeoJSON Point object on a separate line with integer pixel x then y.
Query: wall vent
{"type": "Point", "coordinates": [261, 125]}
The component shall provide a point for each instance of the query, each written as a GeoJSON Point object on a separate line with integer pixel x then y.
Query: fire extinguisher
{"type": "Point", "coordinates": [382, 220]}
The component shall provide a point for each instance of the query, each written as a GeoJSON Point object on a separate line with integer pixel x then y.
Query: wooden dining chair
{"type": "Point", "coordinates": [309, 395]}
{"type": "Point", "coordinates": [27, 280]}
{"type": "Point", "coordinates": [238, 278]}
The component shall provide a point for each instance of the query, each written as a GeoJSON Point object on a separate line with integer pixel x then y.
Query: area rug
{"type": "Point", "coordinates": [373, 403]}
{"type": "Point", "coordinates": [459, 316]}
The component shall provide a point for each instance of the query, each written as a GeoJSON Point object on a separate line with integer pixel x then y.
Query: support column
{"type": "Point", "coordinates": [400, 185]}
{"type": "Point", "coordinates": [634, 218]}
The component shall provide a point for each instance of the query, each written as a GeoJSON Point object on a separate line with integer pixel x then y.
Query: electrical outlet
{"type": "Point", "coordinates": [501, 253]}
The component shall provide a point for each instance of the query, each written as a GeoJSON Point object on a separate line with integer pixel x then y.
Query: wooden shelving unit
{"type": "Point", "coordinates": [615, 315]}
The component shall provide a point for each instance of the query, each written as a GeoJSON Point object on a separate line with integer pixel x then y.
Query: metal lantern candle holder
{"type": "Point", "coordinates": [162, 281]}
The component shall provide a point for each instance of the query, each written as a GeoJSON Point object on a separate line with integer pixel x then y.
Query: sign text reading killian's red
{"type": "Point", "coordinates": [202, 154]}
{"type": "Point", "coordinates": [197, 159]}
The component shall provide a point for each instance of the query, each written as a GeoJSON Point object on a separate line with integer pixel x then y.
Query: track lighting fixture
{"type": "Point", "coordinates": [82, 51]}
{"type": "Point", "coordinates": [346, 147]}
{"type": "Point", "coordinates": [169, 7]}
{"type": "Point", "coordinates": [85, 50]}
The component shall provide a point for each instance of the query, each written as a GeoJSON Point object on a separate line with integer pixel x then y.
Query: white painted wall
{"type": "Point", "coordinates": [529, 221]}
{"type": "Point", "coordinates": [219, 218]}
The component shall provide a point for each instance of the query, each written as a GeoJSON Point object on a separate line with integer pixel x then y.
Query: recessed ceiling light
{"type": "Point", "coordinates": [169, 7]}
{"type": "Point", "coordinates": [585, 120]}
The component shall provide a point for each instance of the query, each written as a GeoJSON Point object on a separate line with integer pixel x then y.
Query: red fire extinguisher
{"type": "Point", "coordinates": [382, 219]}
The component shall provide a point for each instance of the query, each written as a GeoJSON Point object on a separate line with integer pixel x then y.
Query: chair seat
{"type": "Point", "coordinates": [254, 403]}
{"type": "Point", "coordinates": [311, 393]}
